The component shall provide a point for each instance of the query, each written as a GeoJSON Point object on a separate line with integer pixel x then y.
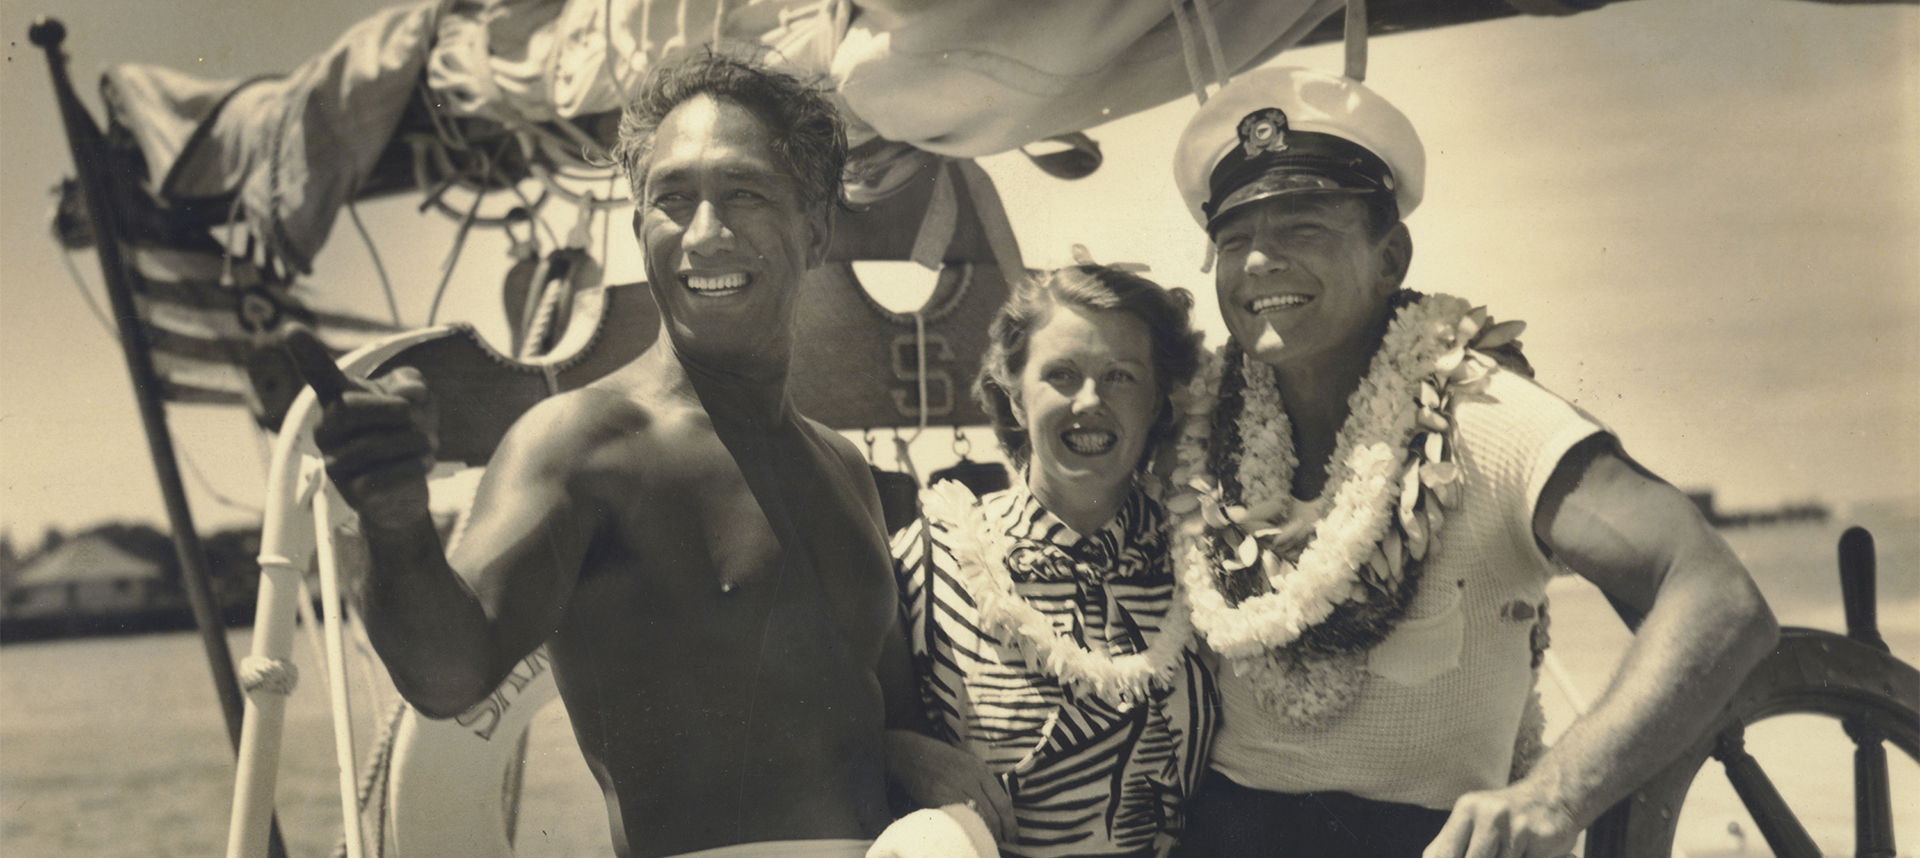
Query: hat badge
{"type": "Point", "coordinates": [1264, 130]}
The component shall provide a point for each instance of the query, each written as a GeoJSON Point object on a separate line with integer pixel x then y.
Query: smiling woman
{"type": "Point", "coordinates": [1048, 634]}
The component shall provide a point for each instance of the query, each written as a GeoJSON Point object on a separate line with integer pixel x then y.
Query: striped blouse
{"type": "Point", "coordinates": [1087, 776]}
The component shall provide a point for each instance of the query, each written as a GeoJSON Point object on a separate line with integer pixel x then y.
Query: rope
{"type": "Point", "coordinates": [308, 620]}
{"type": "Point", "coordinates": [444, 129]}
{"type": "Point", "coordinates": [80, 284]}
{"type": "Point", "coordinates": [606, 49]}
{"type": "Point", "coordinates": [551, 184]}
{"type": "Point", "coordinates": [272, 675]}
{"type": "Point", "coordinates": [1212, 33]}
{"type": "Point", "coordinates": [606, 221]}
{"type": "Point", "coordinates": [374, 784]}
{"type": "Point", "coordinates": [920, 373]}
{"type": "Point", "coordinates": [541, 325]}
{"type": "Point", "coordinates": [327, 559]}
{"type": "Point", "coordinates": [218, 496]}
{"type": "Point", "coordinates": [434, 172]}
{"type": "Point", "coordinates": [513, 786]}
{"type": "Point", "coordinates": [1356, 39]}
{"type": "Point", "coordinates": [453, 255]}
{"type": "Point", "coordinates": [590, 149]}
{"type": "Point", "coordinates": [373, 252]}
{"type": "Point", "coordinates": [1188, 51]}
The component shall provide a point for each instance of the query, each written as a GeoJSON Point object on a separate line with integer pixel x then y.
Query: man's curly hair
{"type": "Point", "coordinates": [809, 139]}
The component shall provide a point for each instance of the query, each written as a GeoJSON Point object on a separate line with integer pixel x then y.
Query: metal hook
{"type": "Point", "coordinates": [962, 445]}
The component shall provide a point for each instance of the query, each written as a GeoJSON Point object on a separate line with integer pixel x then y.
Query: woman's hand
{"type": "Point", "coordinates": [933, 773]}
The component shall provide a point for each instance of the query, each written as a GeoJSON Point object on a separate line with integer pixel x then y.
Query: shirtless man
{"type": "Point", "coordinates": [707, 566]}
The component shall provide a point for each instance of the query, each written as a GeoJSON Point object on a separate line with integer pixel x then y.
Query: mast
{"type": "Point", "coordinates": [85, 143]}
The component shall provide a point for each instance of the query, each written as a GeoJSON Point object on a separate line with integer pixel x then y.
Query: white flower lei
{"type": "Point", "coordinates": [1389, 476]}
{"type": "Point", "coordinates": [1122, 678]}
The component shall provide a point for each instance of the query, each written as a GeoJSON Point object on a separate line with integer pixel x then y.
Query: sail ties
{"type": "Point", "coordinates": [1209, 32]}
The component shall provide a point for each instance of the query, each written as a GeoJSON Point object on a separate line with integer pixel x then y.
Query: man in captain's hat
{"type": "Point", "coordinates": [1410, 490]}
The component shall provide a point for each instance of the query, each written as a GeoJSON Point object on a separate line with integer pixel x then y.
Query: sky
{"type": "Point", "coordinates": [1707, 211]}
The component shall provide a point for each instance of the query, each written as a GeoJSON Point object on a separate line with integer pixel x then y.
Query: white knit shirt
{"type": "Point", "coordinates": [1439, 716]}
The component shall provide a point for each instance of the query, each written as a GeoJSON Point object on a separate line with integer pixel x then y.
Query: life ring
{"type": "Point", "coordinates": [452, 781]}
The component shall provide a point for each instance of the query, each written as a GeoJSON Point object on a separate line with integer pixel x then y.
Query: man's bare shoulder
{"type": "Point", "coordinates": [849, 454]}
{"type": "Point", "coordinates": [580, 428]}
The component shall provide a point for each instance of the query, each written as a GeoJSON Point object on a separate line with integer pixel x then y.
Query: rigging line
{"type": "Point", "coordinates": [920, 358]}
{"type": "Point", "coordinates": [186, 456]}
{"type": "Point", "coordinates": [80, 285]}
{"type": "Point", "coordinates": [590, 149]}
{"type": "Point", "coordinates": [466, 226]}
{"type": "Point", "coordinates": [444, 128]}
{"type": "Point", "coordinates": [453, 257]}
{"type": "Point", "coordinates": [1212, 33]}
{"type": "Point", "coordinates": [606, 232]}
{"type": "Point", "coordinates": [606, 51]}
{"type": "Point", "coordinates": [1355, 33]}
{"type": "Point", "coordinates": [373, 252]}
{"type": "Point", "coordinates": [1188, 52]}
{"type": "Point", "coordinates": [586, 173]}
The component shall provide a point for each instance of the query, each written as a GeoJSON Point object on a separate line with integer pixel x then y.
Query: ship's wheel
{"type": "Point", "coordinates": [1851, 678]}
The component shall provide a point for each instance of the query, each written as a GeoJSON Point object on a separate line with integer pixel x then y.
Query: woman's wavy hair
{"type": "Point", "coordinates": [809, 139]}
{"type": "Point", "coordinates": [1167, 314]}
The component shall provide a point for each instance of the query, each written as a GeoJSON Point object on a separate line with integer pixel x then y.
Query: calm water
{"type": "Point", "coordinates": [115, 747]}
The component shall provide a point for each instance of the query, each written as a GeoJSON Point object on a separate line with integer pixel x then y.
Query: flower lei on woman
{"type": "Point", "coordinates": [1293, 592]}
{"type": "Point", "coordinates": [980, 551]}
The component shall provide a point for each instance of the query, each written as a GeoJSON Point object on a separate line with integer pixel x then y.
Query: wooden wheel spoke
{"type": "Point", "coordinates": [1872, 800]}
{"type": "Point", "coordinates": [1777, 823]}
{"type": "Point", "coordinates": [1851, 678]}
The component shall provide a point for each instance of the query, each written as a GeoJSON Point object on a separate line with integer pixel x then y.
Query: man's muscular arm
{"type": "Point", "coordinates": [1647, 547]}
{"type": "Point", "coordinates": [450, 630]}
{"type": "Point", "coordinates": [930, 772]}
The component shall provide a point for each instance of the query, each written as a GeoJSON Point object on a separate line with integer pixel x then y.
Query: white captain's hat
{"type": "Point", "coordinates": [1276, 131]}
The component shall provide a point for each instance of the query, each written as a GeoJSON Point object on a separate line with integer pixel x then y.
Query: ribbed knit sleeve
{"type": "Point", "coordinates": [1512, 438]}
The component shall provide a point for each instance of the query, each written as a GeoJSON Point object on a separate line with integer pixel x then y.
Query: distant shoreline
{"type": "Point", "coordinates": [116, 624]}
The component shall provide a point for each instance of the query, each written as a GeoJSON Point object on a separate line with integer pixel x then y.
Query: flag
{"type": "Point", "coordinates": [211, 322]}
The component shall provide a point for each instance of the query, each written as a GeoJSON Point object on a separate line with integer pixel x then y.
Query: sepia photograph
{"type": "Point", "coordinates": [960, 428]}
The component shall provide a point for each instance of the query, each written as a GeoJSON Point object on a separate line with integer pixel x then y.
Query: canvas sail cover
{"type": "Point", "coordinates": [294, 149]}
{"type": "Point", "coordinates": [963, 78]}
